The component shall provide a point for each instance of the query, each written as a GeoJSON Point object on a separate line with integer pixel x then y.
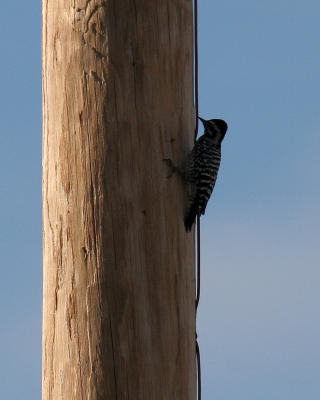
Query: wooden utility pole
{"type": "Point", "coordinates": [119, 286]}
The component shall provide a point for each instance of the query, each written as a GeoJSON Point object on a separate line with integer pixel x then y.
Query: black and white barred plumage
{"type": "Point", "coordinates": [201, 167]}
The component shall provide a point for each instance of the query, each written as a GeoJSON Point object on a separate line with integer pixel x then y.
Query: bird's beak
{"type": "Point", "coordinates": [202, 120]}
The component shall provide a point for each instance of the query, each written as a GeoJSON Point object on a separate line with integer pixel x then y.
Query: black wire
{"type": "Point", "coordinates": [196, 106]}
{"type": "Point", "coordinates": [196, 69]}
{"type": "Point", "coordinates": [198, 263]}
{"type": "Point", "coordinates": [198, 369]}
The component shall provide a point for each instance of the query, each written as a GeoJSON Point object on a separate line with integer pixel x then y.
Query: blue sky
{"type": "Point", "coordinates": [259, 319]}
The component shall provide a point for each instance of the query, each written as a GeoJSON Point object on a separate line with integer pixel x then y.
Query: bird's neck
{"type": "Point", "coordinates": [213, 138]}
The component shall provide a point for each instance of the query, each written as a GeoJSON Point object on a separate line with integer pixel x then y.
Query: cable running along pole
{"type": "Point", "coordinates": [196, 106]}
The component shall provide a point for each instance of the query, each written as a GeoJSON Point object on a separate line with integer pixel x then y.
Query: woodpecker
{"type": "Point", "coordinates": [200, 168]}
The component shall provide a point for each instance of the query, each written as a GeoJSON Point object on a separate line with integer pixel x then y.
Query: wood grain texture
{"type": "Point", "coordinates": [118, 305]}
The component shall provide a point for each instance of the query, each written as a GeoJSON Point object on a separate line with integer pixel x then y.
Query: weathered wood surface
{"type": "Point", "coordinates": [118, 307]}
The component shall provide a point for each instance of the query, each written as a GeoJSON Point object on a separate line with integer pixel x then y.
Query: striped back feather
{"type": "Point", "coordinates": [201, 170]}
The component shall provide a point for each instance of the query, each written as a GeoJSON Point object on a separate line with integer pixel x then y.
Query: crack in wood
{"type": "Point", "coordinates": [113, 358]}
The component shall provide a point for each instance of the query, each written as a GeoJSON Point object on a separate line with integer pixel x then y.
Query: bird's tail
{"type": "Point", "coordinates": [191, 213]}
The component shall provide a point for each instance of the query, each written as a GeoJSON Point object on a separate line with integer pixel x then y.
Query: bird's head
{"type": "Point", "coordinates": [216, 128]}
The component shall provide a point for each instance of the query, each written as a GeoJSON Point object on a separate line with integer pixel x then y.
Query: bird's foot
{"type": "Point", "coordinates": [172, 167]}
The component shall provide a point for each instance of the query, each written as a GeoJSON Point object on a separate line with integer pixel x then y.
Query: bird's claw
{"type": "Point", "coordinates": [170, 164]}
